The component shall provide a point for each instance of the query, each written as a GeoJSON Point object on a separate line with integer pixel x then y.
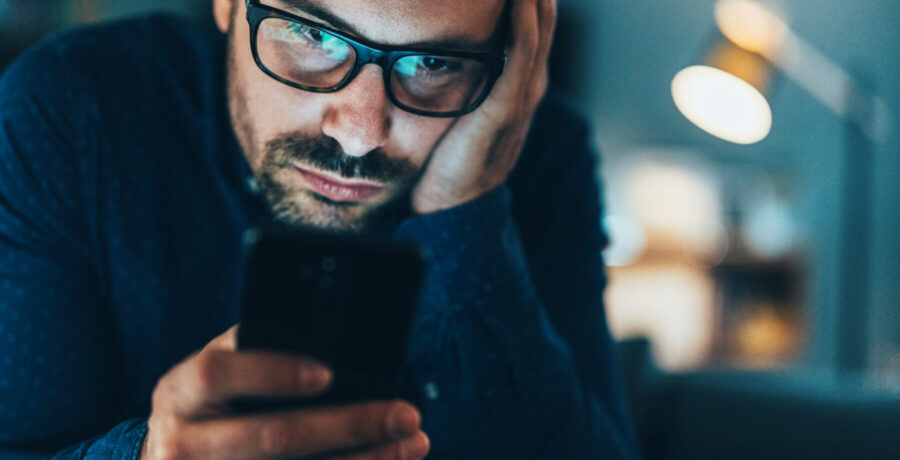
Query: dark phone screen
{"type": "Point", "coordinates": [346, 302]}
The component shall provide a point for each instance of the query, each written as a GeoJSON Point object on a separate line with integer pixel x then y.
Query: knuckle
{"type": "Point", "coordinates": [371, 423]}
{"type": "Point", "coordinates": [293, 377]}
{"type": "Point", "coordinates": [275, 438]}
{"type": "Point", "coordinates": [164, 427]}
{"type": "Point", "coordinates": [170, 448]}
{"type": "Point", "coordinates": [161, 392]}
{"type": "Point", "coordinates": [388, 409]}
{"type": "Point", "coordinates": [359, 432]}
{"type": "Point", "coordinates": [158, 398]}
{"type": "Point", "coordinates": [172, 451]}
{"type": "Point", "coordinates": [207, 371]}
{"type": "Point", "coordinates": [162, 399]}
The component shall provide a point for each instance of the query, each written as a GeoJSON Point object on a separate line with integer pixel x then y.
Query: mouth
{"type": "Point", "coordinates": [339, 189]}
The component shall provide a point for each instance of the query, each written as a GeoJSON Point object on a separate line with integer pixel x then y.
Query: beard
{"type": "Point", "coordinates": [303, 208]}
{"type": "Point", "coordinates": [299, 207]}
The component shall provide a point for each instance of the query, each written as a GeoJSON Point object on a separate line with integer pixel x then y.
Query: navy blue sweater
{"type": "Point", "coordinates": [123, 196]}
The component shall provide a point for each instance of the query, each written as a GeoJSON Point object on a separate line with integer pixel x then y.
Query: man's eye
{"type": "Point", "coordinates": [309, 33]}
{"type": "Point", "coordinates": [433, 64]}
{"type": "Point", "coordinates": [426, 66]}
{"type": "Point", "coordinates": [318, 41]}
{"type": "Point", "coordinates": [437, 65]}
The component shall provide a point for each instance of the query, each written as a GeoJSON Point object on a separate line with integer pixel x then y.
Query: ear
{"type": "Point", "coordinates": [222, 14]}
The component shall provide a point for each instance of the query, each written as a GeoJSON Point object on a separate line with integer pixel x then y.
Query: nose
{"type": "Point", "coordinates": [358, 115]}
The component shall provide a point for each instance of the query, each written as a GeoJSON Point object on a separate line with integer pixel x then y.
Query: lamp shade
{"type": "Point", "coordinates": [725, 97]}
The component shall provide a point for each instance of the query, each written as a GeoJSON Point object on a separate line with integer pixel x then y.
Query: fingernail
{"type": "Point", "coordinates": [404, 421]}
{"type": "Point", "coordinates": [317, 376]}
{"type": "Point", "coordinates": [416, 446]}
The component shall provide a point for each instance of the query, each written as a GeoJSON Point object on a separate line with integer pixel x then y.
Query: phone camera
{"type": "Point", "coordinates": [329, 264]}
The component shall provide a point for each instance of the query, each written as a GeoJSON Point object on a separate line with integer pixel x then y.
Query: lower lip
{"type": "Point", "coordinates": [336, 191]}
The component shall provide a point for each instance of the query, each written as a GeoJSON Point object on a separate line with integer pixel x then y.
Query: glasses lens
{"type": "Point", "coordinates": [438, 84]}
{"type": "Point", "coordinates": [302, 54]}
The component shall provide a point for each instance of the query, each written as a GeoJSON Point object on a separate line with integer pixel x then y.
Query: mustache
{"type": "Point", "coordinates": [325, 153]}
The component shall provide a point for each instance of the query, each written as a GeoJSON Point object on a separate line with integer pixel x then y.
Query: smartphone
{"type": "Point", "coordinates": [347, 302]}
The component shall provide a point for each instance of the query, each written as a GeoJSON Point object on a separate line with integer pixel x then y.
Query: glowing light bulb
{"type": "Point", "coordinates": [751, 26]}
{"type": "Point", "coordinates": [722, 104]}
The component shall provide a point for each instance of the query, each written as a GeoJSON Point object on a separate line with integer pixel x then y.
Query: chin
{"type": "Point", "coordinates": [304, 210]}
{"type": "Point", "coordinates": [295, 205]}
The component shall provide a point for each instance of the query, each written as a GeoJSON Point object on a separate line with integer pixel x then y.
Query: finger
{"type": "Point", "coordinates": [547, 26]}
{"type": "Point", "coordinates": [413, 448]}
{"type": "Point", "coordinates": [512, 89]}
{"type": "Point", "coordinates": [305, 432]}
{"type": "Point", "coordinates": [213, 377]}
{"type": "Point", "coordinates": [227, 341]}
{"type": "Point", "coordinates": [536, 85]}
{"type": "Point", "coordinates": [525, 37]}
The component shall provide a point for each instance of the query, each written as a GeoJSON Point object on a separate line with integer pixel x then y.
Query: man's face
{"type": "Point", "coordinates": [300, 143]}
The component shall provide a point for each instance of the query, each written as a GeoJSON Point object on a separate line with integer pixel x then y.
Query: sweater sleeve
{"type": "Point", "coordinates": [58, 366]}
{"type": "Point", "coordinates": [507, 370]}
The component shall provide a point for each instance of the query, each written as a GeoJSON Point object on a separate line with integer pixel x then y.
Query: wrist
{"type": "Point", "coordinates": [434, 201]}
{"type": "Point", "coordinates": [472, 248]}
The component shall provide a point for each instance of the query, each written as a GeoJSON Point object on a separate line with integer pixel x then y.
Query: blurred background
{"type": "Point", "coordinates": [755, 263]}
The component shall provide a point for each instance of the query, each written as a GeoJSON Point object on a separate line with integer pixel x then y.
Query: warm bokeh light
{"type": "Point", "coordinates": [679, 208]}
{"type": "Point", "coordinates": [751, 26]}
{"type": "Point", "coordinates": [628, 240]}
{"type": "Point", "coordinates": [722, 104]}
{"type": "Point", "coordinates": [671, 304]}
{"type": "Point", "coordinates": [764, 338]}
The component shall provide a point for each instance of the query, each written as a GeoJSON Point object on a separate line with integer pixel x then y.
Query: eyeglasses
{"type": "Point", "coordinates": [313, 57]}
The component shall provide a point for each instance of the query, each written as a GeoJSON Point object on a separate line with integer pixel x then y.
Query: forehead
{"type": "Point", "coordinates": [404, 22]}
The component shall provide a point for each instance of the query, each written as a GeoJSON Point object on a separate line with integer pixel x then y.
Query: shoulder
{"type": "Point", "coordinates": [109, 87]}
{"type": "Point", "coordinates": [108, 60]}
{"type": "Point", "coordinates": [160, 36]}
{"type": "Point", "coordinates": [64, 84]}
{"type": "Point", "coordinates": [63, 99]}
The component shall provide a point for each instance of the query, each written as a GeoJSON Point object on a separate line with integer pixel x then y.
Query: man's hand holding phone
{"type": "Point", "coordinates": [190, 418]}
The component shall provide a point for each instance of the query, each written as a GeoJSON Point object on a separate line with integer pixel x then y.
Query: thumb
{"type": "Point", "coordinates": [227, 341]}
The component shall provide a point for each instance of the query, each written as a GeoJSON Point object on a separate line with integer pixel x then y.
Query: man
{"type": "Point", "coordinates": [131, 166]}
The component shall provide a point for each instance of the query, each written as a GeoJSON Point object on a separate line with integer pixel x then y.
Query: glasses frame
{"type": "Point", "coordinates": [371, 53]}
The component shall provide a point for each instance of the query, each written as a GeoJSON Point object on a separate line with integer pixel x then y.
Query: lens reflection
{"type": "Point", "coordinates": [319, 60]}
{"type": "Point", "coordinates": [305, 55]}
{"type": "Point", "coordinates": [438, 83]}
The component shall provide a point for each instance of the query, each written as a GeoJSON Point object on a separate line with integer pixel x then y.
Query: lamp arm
{"type": "Point", "coordinates": [831, 85]}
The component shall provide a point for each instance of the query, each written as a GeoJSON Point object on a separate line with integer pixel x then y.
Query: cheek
{"type": "Point", "coordinates": [415, 136]}
{"type": "Point", "coordinates": [278, 109]}
{"type": "Point", "coordinates": [274, 108]}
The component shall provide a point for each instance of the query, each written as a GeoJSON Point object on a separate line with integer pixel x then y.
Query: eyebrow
{"type": "Point", "coordinates": [319, 12]}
